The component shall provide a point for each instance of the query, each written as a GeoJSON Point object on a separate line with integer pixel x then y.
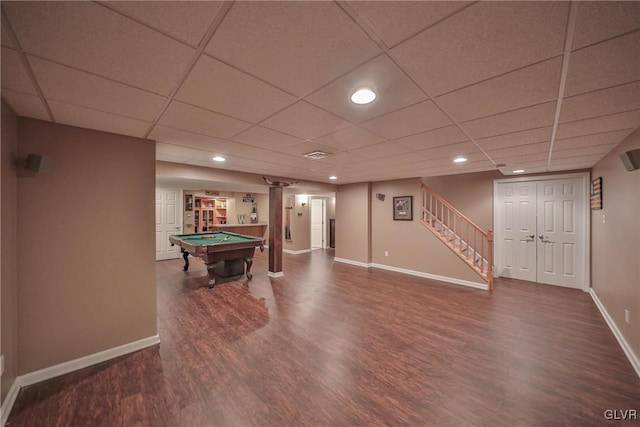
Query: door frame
{"type": "Point", "coordinates": [180, 203]}
{"type": "Point", "coordinates": [497, 219]}
{"type": "Point", "coordinates": [324, 222]}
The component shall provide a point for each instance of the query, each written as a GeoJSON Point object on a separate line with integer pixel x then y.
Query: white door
{"type": "Point", "coordinates": [317, 224]}
{"type": "Point", "coordinates": [168, 222]}
{"type": "Point", "coordinates": [561, 233]}
{"type": "Point", "coordinates": [542, 230]}
{"type": "Point", "coordinates": [518, 230]}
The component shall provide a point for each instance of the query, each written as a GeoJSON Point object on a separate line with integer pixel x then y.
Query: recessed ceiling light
{"type": "Point", "coordinates": [363, 96]}
{"type": "Point", "coordinates": [518, 171]}
{"type": "Point", "coordinates": [333, 177]}
{"type": "Point", "coordinates": [459, 160]}
{"type": "Point", "coordinates": [219, 159]}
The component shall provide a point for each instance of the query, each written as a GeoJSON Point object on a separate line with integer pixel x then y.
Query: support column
{"type": "Point", "coordinates": [275, 232]}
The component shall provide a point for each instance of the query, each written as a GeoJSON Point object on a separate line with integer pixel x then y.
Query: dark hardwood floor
{"type": "Point", "coordinates": [331, 344]}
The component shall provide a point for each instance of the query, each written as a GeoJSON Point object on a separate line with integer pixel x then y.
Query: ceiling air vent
{"type": "Point", "coordinates": [315, 155]}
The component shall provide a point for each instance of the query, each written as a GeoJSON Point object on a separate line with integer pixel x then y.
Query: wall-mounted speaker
{"type": "Point", "coordinates": [631, 159]}
{"type": "Point", "coordinates": [38, 164]}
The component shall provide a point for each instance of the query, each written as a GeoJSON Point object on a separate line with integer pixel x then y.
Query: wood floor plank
{"type": "Point", "coordinates": [331, 344]}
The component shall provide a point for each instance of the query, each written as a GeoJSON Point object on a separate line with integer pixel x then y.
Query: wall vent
{"type": "Point", "coordinates": [315, 155]}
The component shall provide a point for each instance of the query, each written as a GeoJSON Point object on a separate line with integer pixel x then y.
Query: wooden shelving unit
{"type": "Point", "coordinates": [208, 213]}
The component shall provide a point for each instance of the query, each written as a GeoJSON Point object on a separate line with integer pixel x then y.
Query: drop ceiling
{"type": "Point", "coordinates": [540, 86]}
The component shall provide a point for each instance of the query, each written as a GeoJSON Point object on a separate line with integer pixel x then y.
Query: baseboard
{"type": "Point", "coordinates": [83, 362]}
{"type": "Point", "coordinates": [628, 351]}
{"type": "Point", "coordinates": [349, 261]}
{"type": "Point", "coordinates": [301, 251]}
{"type": "Point", "coordinates": [9, 400]}
{"type": "Point", "coordinates": [453, 280]}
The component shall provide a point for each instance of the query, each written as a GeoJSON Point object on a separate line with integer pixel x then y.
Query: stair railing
{"type": "Point", "coordinates": [459, 233]}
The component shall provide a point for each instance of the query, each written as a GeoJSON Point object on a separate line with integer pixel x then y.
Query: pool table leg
{"type": "Point", "coordinates": [185, 256]}
{"type": "Point", "coordinates": [249, 262]}
{"type": "Point", "coordinates": [212, 277]}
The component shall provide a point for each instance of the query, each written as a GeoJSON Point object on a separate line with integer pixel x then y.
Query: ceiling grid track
{"type": "Point", "coordinates": [25, 63]}
{"type": "Point", "coordinates": [372, 34]}
{"type": "Point", "coordinates": [199, 51]}
{"type": "Point", "coordinates": [571, 26]}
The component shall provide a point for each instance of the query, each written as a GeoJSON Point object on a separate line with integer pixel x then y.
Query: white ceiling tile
{"type": "Point", "coordinates": [393, 88]}
{"type": "Point", "coordinates": [451, 151]}
{"type": "Point", "coordinates": [528, 86]}
{"type": "Point", "coordinates": [184, 138]}
{"type": "Point", "coordinates": [408, 121]}
{"type": "Point", "coordinates": [307, 147]}
{"type": "Point", "coordinates": [186, 117]}
{"type": "Point", "coordinates": [513, 121]}
{"type": "Point", "coordinates": [502, 154]}
{"type": "Point", "coordinates": [605, 138]}
{"type": "Point", "coordinates": [25, 105]}
{"type": "Point", "coordinates": [630, 119]}
{"type": "Point", "coordinates": [90, 37]}
{"type": "Point", "coordinates": [604, 65]}
{"type": "Point", "coordinates": [170, 16]}
{"type": "Point", "coordinates": [573, 166]}
{"type": "Point", "coordinates": [181, 151]}
{"type": "Point", "coordinates": [574, 153]}
{"type": "Point", "coordinates": [218, 87]}
{"type": "Point", "coordinates": [433, 138]}
{"type": "Point", "coordinates": [383, 149]}
{"type": "Point", "coordinates": [71, 86]}
{"type": "Point", "coordinates": [601, 103]}
{"type": "Point", "coordinates": [573, 159]}
{"type": "Point", "coordinates": [348, 139]}
{"type": "Point", "coordinates": [14, 75]}
{"type": "Point", "coordinates": [483, 41]}
{"type": "Point", "coordinates": [383, 16]}
{"type": "Point", "coordinates": [73, 115]}
{"type": "Point", "coordinates": [600, 20]}
{"type": "Point", "coordinates": [267, 138]}
{"type": "Point", "coordinates": [305, 121]}
{"type": "Point", "coordinates": [530, 136]}
{"type": "Point", "coordinates": [316, 40]}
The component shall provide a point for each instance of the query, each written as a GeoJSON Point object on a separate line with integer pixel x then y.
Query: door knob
{"type": "Point", "coordinates": [532, 236]}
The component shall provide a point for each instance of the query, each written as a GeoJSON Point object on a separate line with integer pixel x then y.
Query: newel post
{"type": "Point", "coordinates": [490, 259]}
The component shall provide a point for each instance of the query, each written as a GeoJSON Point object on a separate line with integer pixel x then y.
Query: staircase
{"type": "Point", "coordinates": [472, 244]}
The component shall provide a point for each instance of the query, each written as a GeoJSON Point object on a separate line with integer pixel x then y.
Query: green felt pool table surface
{"type": "Point", "coordinates": [219, 237]}
{"type": "Point", "coordinates": [216, 247]}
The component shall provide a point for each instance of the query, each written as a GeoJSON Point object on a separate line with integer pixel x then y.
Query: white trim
{"type": "Point", "coordinates": [348, 261]}
{"type": "Point", "coordinates": [586, 260]}
{"type": "Point", "coordinates": [628, 351]}
{"type": "Point", "coordinates": [275, 274]}
{"type": "Point", "coordinates": [83, 362]}
{"type": "Point", "coordinates": [477, 285]}
{"type": "Point", "coordinates": [9, 400]}
{"type": "Point", "coordinates": [70, 366]}
{"type": "Point", "coordinates": [301, 251]}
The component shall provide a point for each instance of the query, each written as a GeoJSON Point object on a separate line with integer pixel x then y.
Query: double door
{"type": "Point", "coordinates": [542, 231]}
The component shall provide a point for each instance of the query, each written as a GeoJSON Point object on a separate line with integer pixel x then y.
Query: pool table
{"type": "Point", "coordinates": [215, 247]}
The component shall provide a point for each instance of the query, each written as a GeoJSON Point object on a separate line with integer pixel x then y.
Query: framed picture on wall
{"type": "Point", "coordinates": [403, 208]}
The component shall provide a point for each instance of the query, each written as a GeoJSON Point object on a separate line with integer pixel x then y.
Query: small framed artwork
{"type": "Point", "coordinates": [596, 193]}
{"type": "Point", "coordinates": [403, 208]}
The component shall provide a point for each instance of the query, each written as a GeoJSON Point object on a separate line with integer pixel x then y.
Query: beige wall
{"type": "Point", "coordinates": [8, 249]}
{"type": "Point", "coordinates": [410, 245]}
{"type": "Point", "coordinates": [86, 273]}
{"type": "Point", "coordinates": [471, 194]}
{"type": "Point", "coordinates": [615, 253]}
{"type": "Point", "coordinates": [353, 222]}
